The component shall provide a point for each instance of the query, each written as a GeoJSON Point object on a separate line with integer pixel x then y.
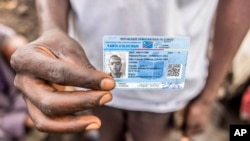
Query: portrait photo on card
{"type": "Point", "coordinates": [115, 64]}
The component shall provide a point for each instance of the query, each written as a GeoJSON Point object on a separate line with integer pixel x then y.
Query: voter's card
{"type": "Point", "coordinates": [146, 62]}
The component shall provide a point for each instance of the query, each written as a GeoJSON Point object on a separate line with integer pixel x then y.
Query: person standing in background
{"type": "Point", "coordinates": [14, 118]}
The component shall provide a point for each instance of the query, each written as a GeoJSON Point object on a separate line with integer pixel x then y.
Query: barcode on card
{"type": "Point", "coordinates": [174, 70]}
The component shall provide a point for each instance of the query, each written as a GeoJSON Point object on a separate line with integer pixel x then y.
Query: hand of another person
{"type": "Point", "coordinates": [196, 116]}
{"type": "Point", "coordinates": [57, 58]}
{"type": "Point", "coordinates": [11, 44]}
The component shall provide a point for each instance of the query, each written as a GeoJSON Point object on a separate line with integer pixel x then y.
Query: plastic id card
{"type": "Point", "coordinates": [146, 62]}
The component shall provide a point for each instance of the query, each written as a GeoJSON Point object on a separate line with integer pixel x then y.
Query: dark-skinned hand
{"type": "Point", "coordinates": [56, 58]}
{"type": "Point", "coordinates": [196, 116]}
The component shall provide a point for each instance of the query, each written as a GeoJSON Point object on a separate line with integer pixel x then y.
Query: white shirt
{"type": "Point", "coordinates": [91, 20]}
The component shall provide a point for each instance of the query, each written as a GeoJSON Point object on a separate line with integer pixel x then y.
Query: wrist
{"type": "Point", "coordinates": [53, 32]}
{"type": "Point", "coordinates": [208, 97]}
{"type": "Point", "coordinates": [50, 16]}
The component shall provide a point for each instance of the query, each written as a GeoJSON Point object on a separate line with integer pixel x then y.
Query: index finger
{"type": "Point", "coordinates": [52, 102]}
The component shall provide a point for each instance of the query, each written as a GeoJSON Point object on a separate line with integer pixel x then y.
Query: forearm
{"type": "Point", "coordinates": [232, 23]}
{"type": "Point", "coordinates": [53, 14]}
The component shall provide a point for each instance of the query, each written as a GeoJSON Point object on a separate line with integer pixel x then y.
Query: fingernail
{"type": "Point", "coordinates": [107, 84]}
{"type": "Point", "coordinates": [92, 126]}
{"type": "Point", "coordinates": [104, 99]}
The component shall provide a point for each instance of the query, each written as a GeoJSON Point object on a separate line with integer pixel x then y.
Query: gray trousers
{"type": "Point", "coordinates": [123, 125]}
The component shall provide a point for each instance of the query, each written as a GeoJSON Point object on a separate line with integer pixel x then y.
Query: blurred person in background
{"type": "Point", "coordinates": [14, 118]}
{"type": "Point", "coordinates": [145, 114]}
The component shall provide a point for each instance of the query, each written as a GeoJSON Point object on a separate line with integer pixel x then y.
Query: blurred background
{"type": "Point", "coordinates": [21, 16]}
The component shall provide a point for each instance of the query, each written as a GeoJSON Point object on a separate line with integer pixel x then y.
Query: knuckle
{"type": "Point", "coordinates": [56, 74]}
{"type": "Point", "coordinates": [14, 61]}
{"type": "Point", "coordinates": [17, 58]}
{"type": "Point", "coordinates": [91, 100]}
{"type": "Point", "coordinates": [16, 82]}
{"type": "Point", "coordinates": [40, 125]}
{"type": "Point", "coordinates": [91, 103]}
{"type": "Point", "coordinates": [46, 106]}
{"type": "Point", "coordinates": [90, 66]}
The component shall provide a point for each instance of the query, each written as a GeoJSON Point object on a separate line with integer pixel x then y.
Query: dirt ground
{"type": "Point", "coordinates": [21, 16]}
